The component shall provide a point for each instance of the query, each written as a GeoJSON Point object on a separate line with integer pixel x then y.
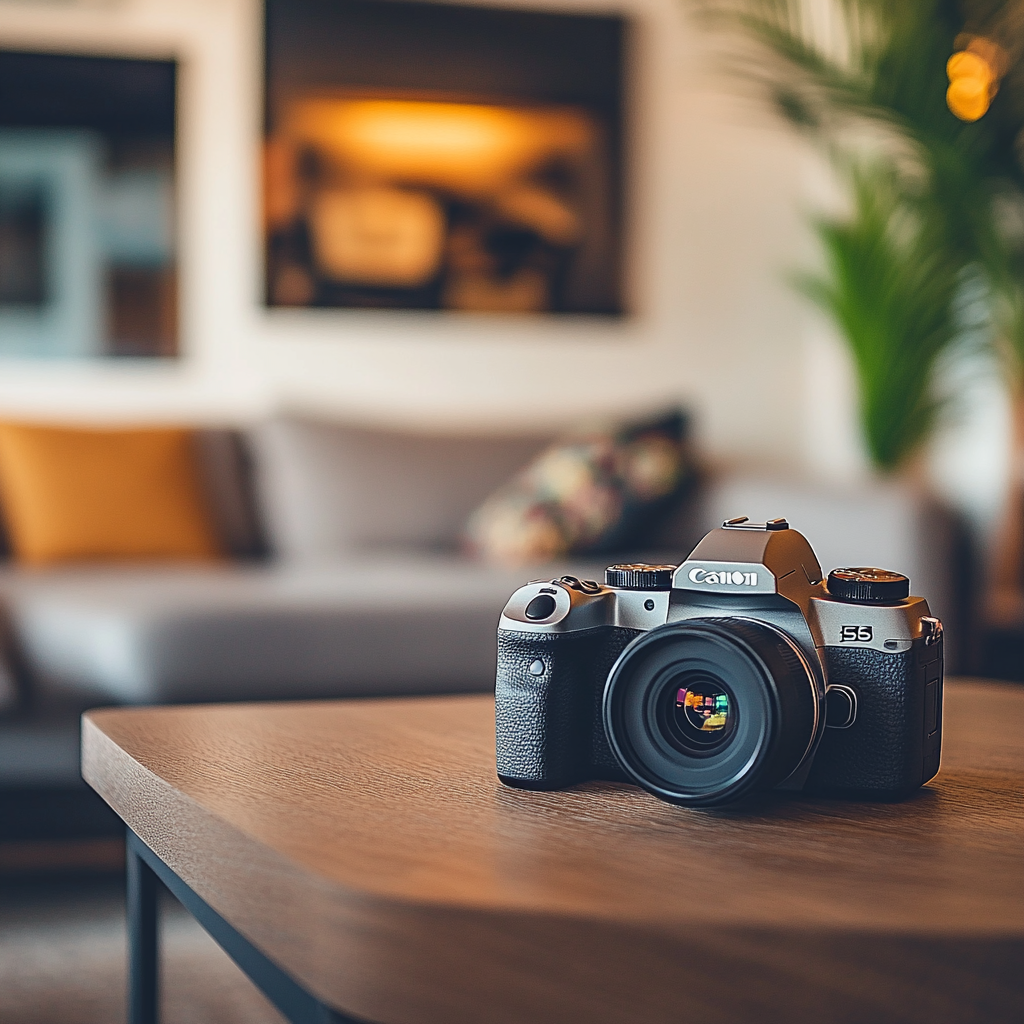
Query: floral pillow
{"type": "Point", "coordinates": [594, 491]}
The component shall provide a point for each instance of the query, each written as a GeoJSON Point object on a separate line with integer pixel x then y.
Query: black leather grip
{"type": "Point", "coordinates": [893, 746]}
{"type": "Point", "coordinates": [547, 723]}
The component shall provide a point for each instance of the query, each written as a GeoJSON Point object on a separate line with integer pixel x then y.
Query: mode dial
{"type": "Point", "coordinates": [639, 576]}
{"type": "Point", "coordinates": [865, 585]}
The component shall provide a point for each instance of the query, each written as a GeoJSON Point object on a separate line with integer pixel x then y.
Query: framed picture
{"type": "Point", "coordinates": [87, 206]}
{"type": "Point", "coordinates": [422, 156]}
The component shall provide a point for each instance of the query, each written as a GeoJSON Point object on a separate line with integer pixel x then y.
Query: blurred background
{"type": "Point", "coordinates": [696, 218]}
{"type": "Point", "coordinates": [604, 164]}
{"type": "Point", "coordinates": [375, 256]}
{"type": "Point", "coordinates": [216, 195]}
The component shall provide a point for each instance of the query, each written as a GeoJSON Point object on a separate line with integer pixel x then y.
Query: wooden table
{"type": "Point", "coordinates": [360, 858]}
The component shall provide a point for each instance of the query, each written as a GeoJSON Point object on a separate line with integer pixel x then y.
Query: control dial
{"type": "Point", "coordinates": [865, 585]}
{"type": "Point", "coordinates": [639, 576]}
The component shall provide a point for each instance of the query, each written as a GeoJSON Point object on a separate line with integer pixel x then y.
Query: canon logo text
{"type": "Point", "coordinates": [739, 579]}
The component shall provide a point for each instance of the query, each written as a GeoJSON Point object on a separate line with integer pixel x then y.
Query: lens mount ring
{"type": "Point", "coordinates": [766, 699]}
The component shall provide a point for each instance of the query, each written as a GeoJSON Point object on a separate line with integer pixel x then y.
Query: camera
{"type": "Point", "coordinates": [740, 670]}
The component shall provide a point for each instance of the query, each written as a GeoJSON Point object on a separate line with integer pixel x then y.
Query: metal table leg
{"type": "Point", "coordinates": [143, 941]}
{"type": "Point", "coordinates": [146, 873]}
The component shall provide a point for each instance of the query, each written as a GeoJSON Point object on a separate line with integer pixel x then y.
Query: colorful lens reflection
{"type": "Point", "coordinates": [707, 712]}
{"type": "Point", "coordinates": [700, 716]}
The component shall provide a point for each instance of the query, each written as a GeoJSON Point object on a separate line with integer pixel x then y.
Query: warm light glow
{"type": "Point", "coordinates": [467, 146]}
{"type": "Point", "coordinates": [489, 207]}
{"type": "Point", "coordinates": [968, 98]}
{"type": "Point", "coordinates": [969, 65]}
{"type": "Point", "coordinates": [377, 236]}
{"type": "Point", "coordinates": [974, 78]}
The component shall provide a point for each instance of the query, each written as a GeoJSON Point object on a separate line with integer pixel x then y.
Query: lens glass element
{"type": "Point", "coordinates": [699, 714]}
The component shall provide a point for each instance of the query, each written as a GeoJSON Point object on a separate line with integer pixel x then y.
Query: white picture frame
{"type": "Point", "coordinates": [69, 324]}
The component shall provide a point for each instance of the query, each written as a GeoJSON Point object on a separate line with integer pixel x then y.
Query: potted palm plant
{"type": "Point", "coordinates": [920, 105]}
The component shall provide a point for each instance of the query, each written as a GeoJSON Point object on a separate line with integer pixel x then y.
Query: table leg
{"type": "Point", "coordinates": [146, 875]}
{"type": "Point", "coordinates": [143, 940]}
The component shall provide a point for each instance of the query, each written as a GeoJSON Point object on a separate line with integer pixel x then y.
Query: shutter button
{"type": "Point", "coordinates": [581, 586]}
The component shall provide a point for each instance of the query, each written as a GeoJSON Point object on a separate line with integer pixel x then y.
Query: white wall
{"type": "Point", "coordinates": [715, 220]}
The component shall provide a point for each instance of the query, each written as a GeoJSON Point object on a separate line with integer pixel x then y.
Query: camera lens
{"type": "Point", "coordinates": [704, 711]}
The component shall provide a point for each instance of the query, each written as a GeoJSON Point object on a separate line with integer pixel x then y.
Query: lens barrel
{"type": "Point", "coordinates": [704, 711]}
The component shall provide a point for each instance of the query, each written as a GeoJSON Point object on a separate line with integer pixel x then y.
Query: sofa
{"type": "Point", "coordinates": [345, 578]}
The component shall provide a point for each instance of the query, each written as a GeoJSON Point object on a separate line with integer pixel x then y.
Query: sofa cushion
{"type": "Point", "coordinates": [225, 469]}
{"type": "Point", "coordinates": [328, 489]}
{"type": "Point", "coordinates": [82, 493]}
{"type": "Point", "coordinates": [388, 625]}
{"type": "Point", "coordinates": [599, 489]}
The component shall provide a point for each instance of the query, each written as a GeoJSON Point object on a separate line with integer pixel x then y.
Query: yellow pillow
{"type": "Point", "coordinates": [77, 493]}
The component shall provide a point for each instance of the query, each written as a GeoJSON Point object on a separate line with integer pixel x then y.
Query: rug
{"type": "Point", "coordinates": [62, 960]}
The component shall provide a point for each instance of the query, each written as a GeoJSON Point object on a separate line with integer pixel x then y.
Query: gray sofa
{"type": "Point", "coordinates": [347, 581]}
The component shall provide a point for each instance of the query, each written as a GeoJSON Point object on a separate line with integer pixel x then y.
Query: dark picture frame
{"type": "Point", "coordinates": [88, 263]}
{"type": "Point", "coordinates": [349, 226]}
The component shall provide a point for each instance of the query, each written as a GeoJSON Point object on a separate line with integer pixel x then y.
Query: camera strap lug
{"type": "Point", "coordinates": [931, 630]}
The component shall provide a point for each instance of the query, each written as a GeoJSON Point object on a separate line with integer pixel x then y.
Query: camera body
{"type": "Point", "coordinates": [739, 670]}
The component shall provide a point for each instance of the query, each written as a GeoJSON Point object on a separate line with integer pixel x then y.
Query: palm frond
{"type": "Point", "coordinates": [891, 291]}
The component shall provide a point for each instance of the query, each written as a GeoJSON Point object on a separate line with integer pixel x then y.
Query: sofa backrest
{"type": "Point", "coordinates": [326, 489]}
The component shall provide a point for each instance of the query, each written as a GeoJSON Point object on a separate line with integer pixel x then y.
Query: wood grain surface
{"type": "Point", "coordinates": [368, 848]}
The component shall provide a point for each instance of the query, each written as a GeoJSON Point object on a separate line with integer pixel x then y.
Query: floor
{"type": "Point", "coordinates": [62, 959]}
